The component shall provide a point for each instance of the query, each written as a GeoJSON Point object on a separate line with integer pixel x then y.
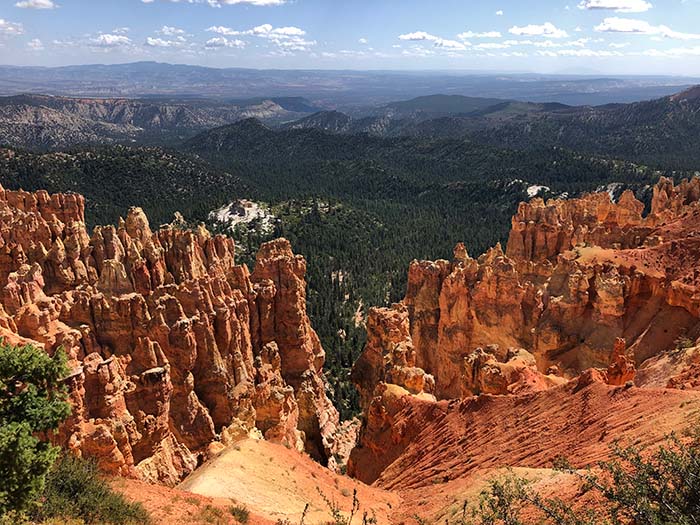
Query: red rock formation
{"type": "Point", "coordinates": [577, 275]}
{"type": "Point", "coordinates": [389, 356]}
{"type": "Point", "coordinates": [169, 340]}
{"type": "Point", "coordinates": [621, 370]}
{"type": "Point", "coordinates": [492, 371]}
{"type": "Point", "coordinates": [591, 290]}
{"type": "Point", "coordinates": [280, 316]}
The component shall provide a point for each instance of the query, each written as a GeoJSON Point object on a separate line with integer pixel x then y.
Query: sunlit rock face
{"type": "Point", "coordinates": [590, 298]}
{"type": "Point", "coordinates": [583, 283]}
{"type": "Point", "coordinates": [170, 342]}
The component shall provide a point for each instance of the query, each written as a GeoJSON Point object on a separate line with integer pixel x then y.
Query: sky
{"type": "Point", "coordinates": [545, 36]}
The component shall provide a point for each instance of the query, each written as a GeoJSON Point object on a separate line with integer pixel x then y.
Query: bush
{"type": "Point", "coordinates": [240, 513]}
{"type": "Point", "coordinates": [32, 402]}
{"type": "Point", "coordinates": [211, 514]}
{"type": "Point", "coordinates": [75, 489]}
{"type": "Point", "coordinates": [338, 517]}
{"type": "Point", "coordinates": [634, 487]}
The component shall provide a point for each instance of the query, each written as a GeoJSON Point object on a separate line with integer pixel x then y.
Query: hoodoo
{"type": "Point", "coordinates": [173, 346]}
{"type": "Point", "coordinates": [581, 333]}
{"type": "Point", "coordinates": [574, 325]}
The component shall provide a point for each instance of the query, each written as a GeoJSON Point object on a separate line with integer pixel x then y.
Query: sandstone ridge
{"type": "Point", "coordinates": [583, 283]}
{"type": "Point", "coordinates": [582, 332]}
{"type": "Point", "coordinates": [174, 347]}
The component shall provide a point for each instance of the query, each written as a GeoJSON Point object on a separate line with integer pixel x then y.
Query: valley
{"type": "Point", "coordinates": [282, 306]}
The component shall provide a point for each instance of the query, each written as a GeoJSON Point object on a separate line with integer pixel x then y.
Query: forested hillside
{"type": "Point", "coordinates": [660, 132]}
{"type": "Point", "coordinates": [359, 207]}
{"type": "Point", "coordinates": [114, 178]}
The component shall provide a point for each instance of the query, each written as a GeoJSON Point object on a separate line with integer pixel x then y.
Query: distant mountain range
{"type": "Point", "coordinates": [338, 89]}
{"type": "Point", "coordinates": [434, 115]}
{"type": "Point", "coordinates": [46, 122]}
{"type": "Point", "coordinates": [665, 130]}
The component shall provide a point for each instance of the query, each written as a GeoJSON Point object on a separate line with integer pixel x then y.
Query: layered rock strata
{"type": "Point", "coordinates": [582, 283]}
{"type": "Point", "coordinates": [169, 340]}
{"type": "Point", "coordinates": [590, 301]}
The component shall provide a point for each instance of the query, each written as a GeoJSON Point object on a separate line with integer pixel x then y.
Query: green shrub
{"type": "Point", "coordinates": [211, 514]}
{"type": "Point", "coordinates": [32, 402]}
{"type": "Point", "coordinates": [338, 517]}
{"type": "Point", "coordinates": [684, 342]}
{"type": "Point", "coordinates": [75, 489]}
{"type": "Point", "coordinates": [240, 513]}
{"type": "Point", "coordinates": [634, 487]}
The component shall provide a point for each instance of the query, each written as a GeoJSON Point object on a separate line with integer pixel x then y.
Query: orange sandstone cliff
{"type": "Point", "coordinates": [583, 331]}
{"type": "Point", "coordinates": [173, 347]}
{"type": "Point", "coordinates": [582, 283]}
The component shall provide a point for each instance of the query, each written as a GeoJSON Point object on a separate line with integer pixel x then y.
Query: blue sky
{"type": "Point", "coordinates": [605, 36]}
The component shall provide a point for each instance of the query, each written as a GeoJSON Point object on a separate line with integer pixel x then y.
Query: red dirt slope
{"type": "Point", "coordinates": [426, 451]}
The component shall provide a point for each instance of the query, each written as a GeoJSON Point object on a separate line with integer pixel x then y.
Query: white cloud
{"type": "Point", "coordinates": [164, 42]}
{"type": "Point", "coordinates": [265, 31]}
{"type": "Point", "coordinates": [64, 43]}
{"type": "Point", "coordinates": [581, 42]}
{"type": "Point", "coordinates": [422, 36]}
{"type": "Point", "coordinates": [641, 27]}
{"type": "Point", "coordinates": [587, 53]}
{"type": "Point", "coordinates": [35, 45]}
{"type": "Point", "coordinates": [120, 30]}
{"type": "Point", "coordinates": [363, 41]}
{"type": "Point", "coordinates": [419, 36]}
{"type": "Point", "coordinates": [620, 6]}
{"type": "Point", "coordinates": [471, 34]}
{"type": "Point", "coordinates": [288, 38]}
{"type": "Point", "coordinates": [8, 28]}
{"type": "Point", "coordinates": [110, 40]}
{"type": "Point", "coordinates": [492, 45]}
{"type": "Point", "coordinates": [677, 52]}
{"type": "Point", "coordinates": [417, 51]}
{"type": "Point", "coordinates": [547, 43]}
{"type": "Point", "coordinates": [222, 41]}
{"type": "Point", "coordinates": [222, 30]}
{"type": "Point", "coordinates": [451, 44]}
{"type": "Point", "coordinates": [547, 29]}
{"type": "Point", "coordinates": [219, 3]}
{"type": "Point", "coordinates": [499, 12]}
{"type": "Point", "coordinates": [619, 46]}
{"type": "Point", "coordinates": [36, 4]}
{"type": "Point", "coordinates": [170, 31]}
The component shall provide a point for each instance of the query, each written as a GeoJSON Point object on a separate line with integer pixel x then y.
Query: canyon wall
{"type": "Point", "coordinates": [173, 347]}
{"type": "Point", "coordinates": [592, 304]}
{"type": "Point", "coordinates": [582, 283]}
